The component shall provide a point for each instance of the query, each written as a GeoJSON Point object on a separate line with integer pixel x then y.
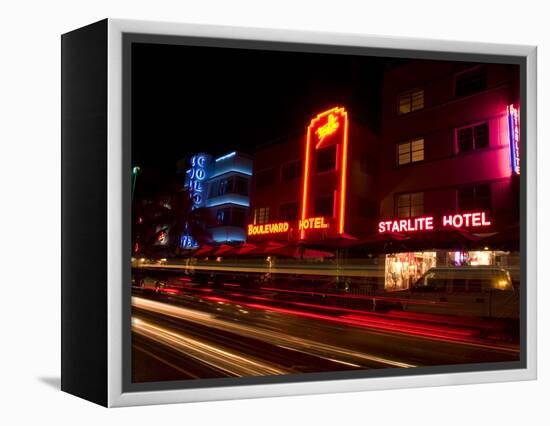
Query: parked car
{"type": "Point", "coordinates": [480, 291]}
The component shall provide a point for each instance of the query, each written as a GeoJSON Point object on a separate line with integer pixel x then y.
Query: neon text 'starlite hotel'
{"type": "Point", "coordinates": [439, 186]}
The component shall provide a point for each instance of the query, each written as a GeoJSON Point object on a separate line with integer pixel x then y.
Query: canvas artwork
{"type": "Point", "coordinates": [253, 213]}
{"type": "Point", "coordinates": [301, 213]}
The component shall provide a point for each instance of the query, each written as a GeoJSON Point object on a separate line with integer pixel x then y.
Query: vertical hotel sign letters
{"type": "Point", "coordinates": [194, 183]}
{"type": "Point", "coordinates": [196, 176]}
{"type": "Point", "coordinates": [326, 129]}
{"type": "Point", "coordinates": [513, 132]}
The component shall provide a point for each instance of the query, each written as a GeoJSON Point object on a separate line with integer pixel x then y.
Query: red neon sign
{"type": "Point", "coordinates": [268, 228]}
{"type": "Point", "coordinates": [327, 129]}
{"type": "Point", "coordinates": [426, 223]}
{"type": "Point", "coordinates": [331, 128]}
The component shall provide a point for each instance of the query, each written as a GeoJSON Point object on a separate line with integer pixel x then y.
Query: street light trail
{"type": "Point", "coordinates": [260, 268]}
{"type": "Point", "coordinates": [229, 362]}
{"type": "Point", "coordinates": [306, 346]}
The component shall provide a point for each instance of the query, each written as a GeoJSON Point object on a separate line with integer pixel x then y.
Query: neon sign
{"type": "Point", "coordinates": [331, 122]}
{"type": "Point", "coordinates": [280, 227]}
{"type": "Point", "coordinates": [513, 134]}
{"type": "Point", "coordinates": [426, 223]}
{"type": "Point", "coordinates": [268, 228]}
{"type": "Point", "coordinates": [195, 179]}
{"type": "Point", "coordinates": [312, 223]}
{"type": "Point", "coordinates": [188, 242]}
{"type": "Point", "coordinates": [327, 129]}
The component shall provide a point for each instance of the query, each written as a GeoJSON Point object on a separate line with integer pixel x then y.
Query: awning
{"type": "Point", "coordinates": [246, 248]}
{"type": "Point", "coordinates": [223, 249]}
{"type": "Point", "coordinates": [203, 251]}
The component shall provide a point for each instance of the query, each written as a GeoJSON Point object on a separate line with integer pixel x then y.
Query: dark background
{"type": "Point", "coordinates": [188, 99]}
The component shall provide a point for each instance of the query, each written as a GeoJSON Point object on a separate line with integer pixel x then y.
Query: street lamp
{"type": "Point", "coordinates": [135, 172]}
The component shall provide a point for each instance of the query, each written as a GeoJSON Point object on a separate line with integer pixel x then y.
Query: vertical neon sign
{"type": "Point", "coordinates": [195, 184]}
{"type": "Point", "coordinates": [326, 129]}
{"type": "Point", "coordinates": [196, 176]}
{"type": "Point", "coordinates": [513, 134]}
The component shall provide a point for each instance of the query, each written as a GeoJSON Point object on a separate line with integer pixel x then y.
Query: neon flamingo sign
{"type": "Point", "coordinates": [331, 128]}
{"type": "Point", "coordinates": [327, 129]}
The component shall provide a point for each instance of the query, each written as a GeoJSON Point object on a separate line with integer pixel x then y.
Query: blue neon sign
{"type": "Point", "coordinates": [196, 176]}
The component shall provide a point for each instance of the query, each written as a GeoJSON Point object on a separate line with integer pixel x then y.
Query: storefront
{"type": "Point", "coordinates": [402, 270]}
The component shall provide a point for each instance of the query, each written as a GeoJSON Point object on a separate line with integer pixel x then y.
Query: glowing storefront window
{"type": "Point", "coordinates": [404, 269]}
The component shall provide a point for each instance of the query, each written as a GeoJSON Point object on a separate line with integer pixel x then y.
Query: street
{"type": "Point", "coordinates": [190, 331]}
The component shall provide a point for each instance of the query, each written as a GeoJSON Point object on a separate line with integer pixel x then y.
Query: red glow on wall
{"type": "Point", "coordinates": [326, 127]}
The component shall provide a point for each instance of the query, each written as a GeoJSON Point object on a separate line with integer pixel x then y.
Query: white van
{"type": "Point", "coordinates": [479, 291]}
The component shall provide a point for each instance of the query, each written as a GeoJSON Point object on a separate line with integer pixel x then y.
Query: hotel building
{"type": "Point", "coordinates": [448, 153]}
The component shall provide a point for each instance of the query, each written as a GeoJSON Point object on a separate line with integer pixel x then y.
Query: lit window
{"type": "Point", "coordinates": [472, 137]}
{"type": "Point", "coordinates": [410, 205]}
{"type": "Point", "coordinates": [469, 82]}
{"type": "Point", "coordinates": [410, 101]}
{"type": "Point", "coordinates": [261, 216]}
{"type": "Point", "coordinates": [410, 152]}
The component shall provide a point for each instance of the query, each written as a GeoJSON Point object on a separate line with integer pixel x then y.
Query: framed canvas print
{"type": "Point", "coordinates": [251, 212]}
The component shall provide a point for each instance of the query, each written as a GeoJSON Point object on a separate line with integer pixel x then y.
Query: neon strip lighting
{"type": "Point", "coordinates": [231, 170]}
{"type": "Point", "coordinates": [344, 176]}
{"type": "Point", "coordinates": [225, 199]}
{"type": "Point", "coordinates": [226, 156]}
{"type": "Point", "coordinates": [330, 127]}
{"type": "Point", "coordinates": [513, 134]}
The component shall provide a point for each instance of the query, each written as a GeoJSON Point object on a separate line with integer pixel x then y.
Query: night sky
{"type": "Point", "coordinates": [190, 99]}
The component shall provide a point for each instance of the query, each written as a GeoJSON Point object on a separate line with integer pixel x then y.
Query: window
{"type": "Point", "coordinates": [473, 198]}
{"type": "Point", "coordinates": [326, 159]}
{"type": "Point", "coordinates": [410, 152]}
{"type": "Point", "coordinates": [367, 208]}
{"type": "Point", "coordinates": [229, 185]}
{"type": "Point", "coordinates": [367, 163]}
{"type": "Point", "coordinates": [292, 170]}
{"type": "Point", "coordinates": [222, 216]}
{"type": "Point", "coordinates": [238, 216]}
{"type": "Point", "coordinates": [324, 205]}
{"type": "Point", "coordinates": [261, 216]}
{"type": "Point", "coordinates": [265, 178]}
{"type": "Point", "coordinates": [410, 205]}
{"type": "Point", "coordinates": [230, 216]}
{"type": "Point", "coordinates": [410, 101]}
{"type": "Point", "coordinates": [472, 137]}
{"type": "Point", "coordinates": [289, 211]}
{"type": "Point", "coordinates": [240, 185]}
{"type": "Point", "coordinates": [470, 82]}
